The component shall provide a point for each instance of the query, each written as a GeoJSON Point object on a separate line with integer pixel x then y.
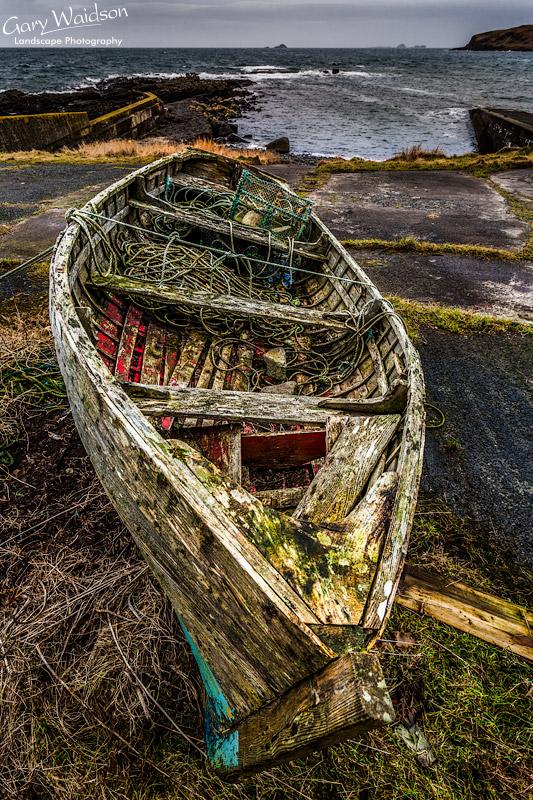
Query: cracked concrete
{"type": "Point", "coordinates": [36, 196]}
{"type": "Point", "coordinates": [487, 286]}
{"type": "Point", "coordinates": [435, 206]}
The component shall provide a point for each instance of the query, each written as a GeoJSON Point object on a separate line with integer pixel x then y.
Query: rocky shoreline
{"type": "Point", "coordinates": [195, 107]}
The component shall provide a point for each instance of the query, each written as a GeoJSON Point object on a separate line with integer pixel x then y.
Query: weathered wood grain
{"type": "Point", "coordinates": [260, 407]}
{"type": "Point", "coordinates": [409, 468]}
{"type": "Point", "coordinates": [379, 368]}
{"type": "Point", "coordinates": [152, 363]}
{"type": "Point", "coordinates": [220, 444]}
{"type": "Point", "coordinates": [281, 498]}
{"type": "Point", "coordinates": [127, 342]}
{"type": "Point", "coordinates": [343, 700]}
{"type": "Point", "coordinates": [346, 469]}
{"type": "Point", "coordinates": [231, 305]}
{"type": "Point", "coordinates": [490, 618]}
{"type": "Point", "coordinates": [393, 401]}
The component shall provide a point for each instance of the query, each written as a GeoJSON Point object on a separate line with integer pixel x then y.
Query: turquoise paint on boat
{"type": "Point", "coordinates": [222, 749]}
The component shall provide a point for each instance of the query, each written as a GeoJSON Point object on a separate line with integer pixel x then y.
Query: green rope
{"type": "Point", "coordinates": [440, 420]}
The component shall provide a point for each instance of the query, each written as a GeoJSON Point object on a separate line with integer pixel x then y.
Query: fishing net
{"type": "Point", "coordinates": [268, 205]}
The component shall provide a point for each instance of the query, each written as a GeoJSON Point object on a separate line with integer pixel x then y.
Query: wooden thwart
{"type": "Point", "coordinates": [489, 618]}
{"type": "Point", "coordinates": [242, 406]}
{"type": "Point", "coordinates": [230, 304]}
{"type": "Point", "coordinates": [235, 229]}
{"type": "Point", "coordinates": [393, 401]}
{"type": "Point", "coordinates": [343, 700]}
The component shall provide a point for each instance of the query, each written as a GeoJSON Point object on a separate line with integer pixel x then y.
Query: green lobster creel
{"type": "Point", "coordinates": [268, 205]}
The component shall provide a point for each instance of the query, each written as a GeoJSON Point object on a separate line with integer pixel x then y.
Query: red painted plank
{"type": "Point", "coordinates": [127, 342]}
{"type": "Point", "coordinates": [152, 365]}
{"type": "Point", "coordinates": [287, 449]}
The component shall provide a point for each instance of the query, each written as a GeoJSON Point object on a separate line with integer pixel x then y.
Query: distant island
{"type": "Point", "coordinates": [520, 38]}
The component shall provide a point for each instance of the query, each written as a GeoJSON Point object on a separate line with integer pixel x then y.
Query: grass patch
{"type": "Point", "coordinates": [454, 320]}
{"type": "Point", "coordinates": [410, 244]}
{"type": "Point", "coordinates": [480, 165]}
{"type": "Point", "coordinates": [416, 153]}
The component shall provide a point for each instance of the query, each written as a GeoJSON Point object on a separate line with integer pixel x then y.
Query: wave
{"type": "Point", "coordinates": [259, 74]}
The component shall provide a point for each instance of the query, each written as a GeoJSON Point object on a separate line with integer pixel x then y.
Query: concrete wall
{"type": "Point", "coordinates": [128, 122]}
{"type": "Point", "coordinates": [501, 127]}
{"type": "Point", "coordinates": [53, 131]}
{"type": "Point", "coordinates": [39, 131]}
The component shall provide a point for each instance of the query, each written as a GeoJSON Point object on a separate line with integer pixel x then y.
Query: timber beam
{"type": "Point", "coordinates": [346, 698]}
{"type": "Point", "coordinates": [261, 407]}
{"type": "Point", "coordinates": [237, 230]}
{"type": "Point", "coordinates": [231, 305]}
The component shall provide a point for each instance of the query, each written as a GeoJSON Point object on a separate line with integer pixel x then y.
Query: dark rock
{"type": "Point", "coordinates": [112, 93]}
{"type": "Point", "coordinates": [520, 38]}
{"type": "Point", "coordinates": [335, 71]}
{"type": "Point", "coordinates": [184, 125]}
{"type": "Point", "coordinates": [234, 138]}
{"type": "Point", "coordinates": [281, 47]}
{"type": "Point", "coordinates": [280, 145]}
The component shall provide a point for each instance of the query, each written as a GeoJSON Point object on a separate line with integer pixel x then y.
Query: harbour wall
{"type": "Point", "coordinates": [496, 128]}
{"type": "Point", "coordinates": [53, 131]}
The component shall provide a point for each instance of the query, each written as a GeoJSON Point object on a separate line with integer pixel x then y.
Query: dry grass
{"type": "Point", "coordinates": [247, 154]}
{"type": "Point", "coordinates": [138, 151]}
{"type": "Point", "coordinates": [119, 148]}
{"type": "Point", "coordinates": [22, 339]}
{"type": "Point", "coordinates": [417, 153]}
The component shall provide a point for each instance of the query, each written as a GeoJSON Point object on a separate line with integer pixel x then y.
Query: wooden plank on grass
{"type": "Point", "coordinates": [490, 618]}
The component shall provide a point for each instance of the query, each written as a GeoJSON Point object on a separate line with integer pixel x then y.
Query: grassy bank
{"type": "Point", "coordinates": [410, 244]}
{"type": "Point", "coordinates": [131, 150]}
{"type": "Point", "coordinates": [418, 159]}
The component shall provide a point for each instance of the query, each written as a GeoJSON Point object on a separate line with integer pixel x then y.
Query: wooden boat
{"type": "Point", "coordinates": [254, 410]}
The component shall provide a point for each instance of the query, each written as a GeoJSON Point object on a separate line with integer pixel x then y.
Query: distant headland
{"type": "Point", "coordinates": [520, 38]}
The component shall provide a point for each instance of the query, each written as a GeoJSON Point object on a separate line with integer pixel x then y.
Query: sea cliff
{"type": "Point", "coordinates": [520, 38]}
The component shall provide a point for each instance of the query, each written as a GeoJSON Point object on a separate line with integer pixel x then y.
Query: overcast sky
{"type": "Point", "coordinates": [297, 23]}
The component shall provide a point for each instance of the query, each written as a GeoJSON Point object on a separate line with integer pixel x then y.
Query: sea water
{"type": "Point", "coordinates": [380, 101]}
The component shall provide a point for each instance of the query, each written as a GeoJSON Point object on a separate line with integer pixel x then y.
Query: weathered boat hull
{"type": "Point", "coordinates": [277, 682]}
